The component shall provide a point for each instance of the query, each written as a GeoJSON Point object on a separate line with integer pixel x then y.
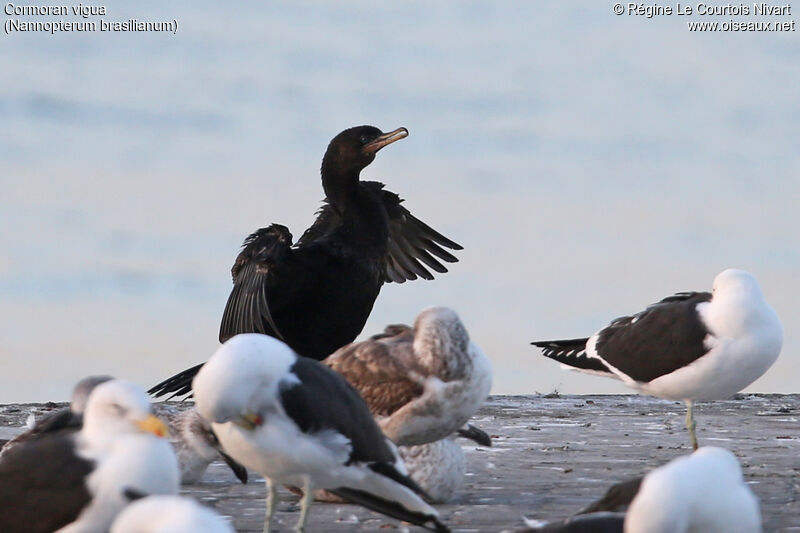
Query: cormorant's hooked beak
{"type": "Point", "coordinates": [153, 424]}
{"type": "Point", "coordinates": [387, 138]}
{"type": "Point", "coordinates": [249, 421]}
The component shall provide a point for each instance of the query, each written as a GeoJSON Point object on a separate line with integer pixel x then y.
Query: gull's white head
{"type": "Point", "coordinates": [169, 514]}
{"type": "Point", "coordinates": [735, 282]}
{"type": "Point", "coordinates": [738, 309]}
{"type": "Point", "coordinates": [703, 491]}
{"type": "Point", "coordinates": [119, 407]}
{"type": "Point", "coordinates": [240, 381]}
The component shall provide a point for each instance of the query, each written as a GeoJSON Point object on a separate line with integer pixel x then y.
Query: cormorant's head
{"type": "Point", "coordinates": [355, 148]}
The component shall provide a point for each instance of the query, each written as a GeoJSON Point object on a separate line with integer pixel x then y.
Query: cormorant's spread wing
{"type": "Point", "coordinates": [412, 243]}
{"type": "Point", "coordinates": [375, 371]}
{"type": "Point", "coordinates": [666, 336]}
{"type": "Point", "coordinates": [414, 247]}
{"type": "Point", "coordinates": [247, 310]}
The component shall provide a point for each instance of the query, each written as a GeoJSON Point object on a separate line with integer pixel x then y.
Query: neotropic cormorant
{"type": "Point", "coordinates": [317, 294]}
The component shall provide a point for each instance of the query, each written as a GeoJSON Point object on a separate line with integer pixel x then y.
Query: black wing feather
{"type": "Point", "coordinates": [43, 481]}
{"type": "Point", "coordinates": [411, 241]}
{"type": "Point", "coordinates": [326, 401]}
{"type": "Point", "coordinates": [617, 498]}
{"type": "Point", "coordinates": [247, 309]}
{"type": "Point", "coordinates": [572, 352]}
{"type": "Point", "coordinates": [664, 337]}
{"type": "Point", "coordinates": [389, 508]}
{"type": "Point", "coordinates": [588, 523]}
{"type": "Point", "coordinates": [177, 385]}
{"type": "Point", "coordinates": [63, 419]}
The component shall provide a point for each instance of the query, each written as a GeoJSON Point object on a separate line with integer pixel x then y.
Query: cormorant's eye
{"type": "Point", "coordinates": [364, 139]}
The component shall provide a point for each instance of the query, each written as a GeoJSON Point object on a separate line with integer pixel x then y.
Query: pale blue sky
{"type": "Point", "coordinates": [589, 163]}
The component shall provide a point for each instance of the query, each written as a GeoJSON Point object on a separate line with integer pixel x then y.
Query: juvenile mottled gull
{"type": "Point", "coordinates": [693, 346]}
{"type": "Point", "coordinates": [297, 422]}
{"type": "Point", "coordinates": [85, 481]}
{"type": "Point", "coordinates": [196, 445]}
{"type": "Point", "coordinates": [438, 467]}
{"type": "Point", "coordinates": [421, 383]}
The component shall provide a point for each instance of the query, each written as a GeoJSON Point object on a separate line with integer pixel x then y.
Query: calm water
{"type": "Point", "coordinates": [589, 163]}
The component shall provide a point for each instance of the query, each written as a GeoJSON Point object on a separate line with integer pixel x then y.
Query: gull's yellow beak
{"type": "Point", "coordinates": [249, 420]}
{"type": "Point", "coordinates": [153, 424]}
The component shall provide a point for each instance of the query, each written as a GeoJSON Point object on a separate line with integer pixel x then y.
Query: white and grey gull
{"type": "Point", "coordinates": [169, 514]}
{"type": "Point", "coordinates": [701, 492]}
{"type": "Point", "coordinates": [693, 346]}
{"type": "Point", "coordinates": [89, 474]}
{"type": "Point", "coordinates": [195, 444]}
{"type": "Point", "coordinates": [299, 423]}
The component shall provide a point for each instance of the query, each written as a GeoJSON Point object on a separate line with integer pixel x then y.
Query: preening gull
{"type": "Point", "coordinates": [702, 492]}
{"type": "Point", "coordinates": [299, 423]}
{"type": "Point", "coordinates": [88, 474]}
{"type": "Point", "coordinates": [317, 294]}
{"type": "Point", "coordinates": [169, 514]}
{"type": "Point", "coordinates": [421, 383]}
{"type": "Point", "coordinates": [693, 346]}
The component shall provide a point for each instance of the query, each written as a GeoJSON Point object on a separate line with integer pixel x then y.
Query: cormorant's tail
{"type": "Point", "coordinates": [572, 353]}
{"type": "Point", "coordinates": [177, 385]}
{"type": "Point", "coordinates": [391, 508]}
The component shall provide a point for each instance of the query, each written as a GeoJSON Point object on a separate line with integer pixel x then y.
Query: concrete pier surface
{"type": "Point", "coordinates": [552, 455]}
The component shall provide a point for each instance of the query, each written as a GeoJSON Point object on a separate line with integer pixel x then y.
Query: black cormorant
{"type": "Point", "coordinates": [317, 294]}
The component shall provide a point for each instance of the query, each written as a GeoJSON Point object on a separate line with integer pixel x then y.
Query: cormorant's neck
{"type": "Point", "coordinates": [340, 186]}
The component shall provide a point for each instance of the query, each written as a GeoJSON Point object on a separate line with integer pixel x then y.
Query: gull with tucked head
{"type": "Point", "coordinates": [422, 383]}
{"type": "Point", "coordinates": [693, 346]}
